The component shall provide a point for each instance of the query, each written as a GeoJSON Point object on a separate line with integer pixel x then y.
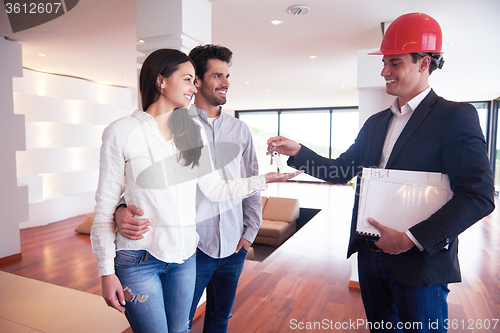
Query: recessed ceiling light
{"type": "Point", "coordinates": [141, 41]}
{"type": "Point", "coordinates": [248, 82]}
{"type": "Point", "coordinates": [452, 43]}
{"type": "Point", "coordinates": [42, 55]}
{"type": "Point", "coordinates": [312, 57]}
{"type": "Point", "coordinates": [276, 22]}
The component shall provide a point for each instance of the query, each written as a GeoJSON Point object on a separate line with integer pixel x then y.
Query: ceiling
{"type": "Point", "coordinates": [272, 67]}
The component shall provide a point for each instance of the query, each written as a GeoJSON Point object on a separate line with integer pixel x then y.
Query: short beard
{"type": "Point", "coordinates": [212, 98]}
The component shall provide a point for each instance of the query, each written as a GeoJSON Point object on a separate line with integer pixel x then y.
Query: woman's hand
{"type": "Point", "coordinates": [111, 289]}
{"type": "Point", "coordinates": [274, 177]}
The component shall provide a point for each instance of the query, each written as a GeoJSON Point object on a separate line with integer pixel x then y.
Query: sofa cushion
{"type": "Point", "coordinates": [276, 229]}
{"type": "Point", "coordinates": [281, 209]}
{"type": "Point", "coordinates": [85, 227]}
{"type": "Point", "coordinates": [264, 200]}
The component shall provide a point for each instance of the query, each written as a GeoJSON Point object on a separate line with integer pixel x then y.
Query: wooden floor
{"type": "Point", "coordinates": [303, 283]}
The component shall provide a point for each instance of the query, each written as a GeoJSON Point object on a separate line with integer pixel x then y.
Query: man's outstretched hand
{"type": "Point", "coordinates": [283, 146]}
{"type": "Point", "coordinates": [275, 177]}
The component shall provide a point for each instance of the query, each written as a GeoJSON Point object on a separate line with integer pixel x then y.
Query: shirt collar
{"type": "Point", "coordinates": [142, 115]}
{"type": "Point", "coordinates": [202, 113]}
{"type": "Point", "coordinates": [411, 105]}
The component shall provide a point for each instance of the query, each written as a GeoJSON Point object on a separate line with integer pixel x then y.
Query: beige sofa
{"type": "Point", "coordinates": [279, 220]}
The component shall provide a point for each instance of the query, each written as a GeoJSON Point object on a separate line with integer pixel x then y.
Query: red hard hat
{"type": "Point", "coordinates": [412, 33]}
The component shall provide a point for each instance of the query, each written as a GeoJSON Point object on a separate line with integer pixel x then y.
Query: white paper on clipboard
{"type": "Point", "coordinates": [399, 199]}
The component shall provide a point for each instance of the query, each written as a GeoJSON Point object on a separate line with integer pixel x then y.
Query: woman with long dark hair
{"type": "Point", "coordinates": [157, 158]}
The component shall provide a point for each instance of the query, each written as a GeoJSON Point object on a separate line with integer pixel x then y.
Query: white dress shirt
{"type": "Point", "coordinates": [396, 126]}
{"type": "Point", "coordinates": [221, 225]}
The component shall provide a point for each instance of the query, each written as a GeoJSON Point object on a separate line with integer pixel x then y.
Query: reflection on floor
{"type": "Point", "coordinates": [28, 305]}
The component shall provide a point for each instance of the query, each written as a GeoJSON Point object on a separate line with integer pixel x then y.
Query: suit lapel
{"type": "Point", "coordinates": [415, 120]}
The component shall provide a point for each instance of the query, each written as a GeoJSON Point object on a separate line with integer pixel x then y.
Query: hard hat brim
{"type": "Point", "coordinates": [376, 53]}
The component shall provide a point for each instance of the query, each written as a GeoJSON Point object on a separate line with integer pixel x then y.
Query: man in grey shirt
{"type": "Point", "coordinates": [226, 229]}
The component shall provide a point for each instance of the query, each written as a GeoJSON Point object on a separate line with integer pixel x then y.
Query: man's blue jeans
{"type": "Point", "coordinates": [159, 294]}
{"type": "Point", "coordinates": [220, 278]}
{"type": "Point", "coordinates": [393, 307]}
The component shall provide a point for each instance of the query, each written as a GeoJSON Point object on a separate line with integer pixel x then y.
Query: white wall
{"type": "Point", "coordinates": [13, 199]}
{"type": "Point", "coordinates": [371, 86]}
{"type": "Point", "coordinates": [65, 118]}
{"type": "Point", "coordinates": [372, 99]}
{"type": "Point", "coordinates": [229, 111]}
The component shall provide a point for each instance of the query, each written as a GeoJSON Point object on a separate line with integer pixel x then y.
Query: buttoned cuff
{"type": "Point", "coordinates": [106, 267]}
{"type": "Point", "coordinates": [249, 234]}
{"type": "Point", "coordinates": [259, 183]}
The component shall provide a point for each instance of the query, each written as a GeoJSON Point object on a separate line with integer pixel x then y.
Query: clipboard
{"type": "Point", "coordinates": [399, 199]}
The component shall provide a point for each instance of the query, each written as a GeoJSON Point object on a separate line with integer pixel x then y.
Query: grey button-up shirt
{"type": "Point", "coordinates": [220, 225]}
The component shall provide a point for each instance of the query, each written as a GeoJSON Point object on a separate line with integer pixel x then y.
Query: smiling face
{"type": "Point", "coordinates": [404, 78]}
{"type": "Point", "coordinates": [178, 89]}
{"type": "Point", "coordinates": [213, 88]}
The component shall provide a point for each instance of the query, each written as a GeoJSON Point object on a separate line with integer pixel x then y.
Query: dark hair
{"type": "Point", "coordinates": [434, 59]}
{"type": "Point", "coordinates": [203, 53]}
{"type": "Point", "coordinates": [186, 133]}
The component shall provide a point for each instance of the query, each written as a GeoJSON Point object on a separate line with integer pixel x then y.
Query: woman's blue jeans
{"type": "Point", "coordinates": [158, 294]}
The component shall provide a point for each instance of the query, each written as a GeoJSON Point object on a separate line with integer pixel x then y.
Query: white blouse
{"type": "Point", "coordinates": [137, 160]}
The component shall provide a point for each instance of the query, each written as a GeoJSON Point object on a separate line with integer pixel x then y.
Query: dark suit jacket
{"type": "Point", "coordinates": [441, 136]}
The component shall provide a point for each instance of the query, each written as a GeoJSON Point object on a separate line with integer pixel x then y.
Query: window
{"type": "Point", "coordinates": [328, 132]}
{"type": "Point", "coordinates": [345, 128]}
{"type": "Point", "coordinates": [310, 128]}
{"type": "Point", "coordinates": [495, 145]}
{"type": "Point", "coordinates": [263, 125]}
{"type": "Point", "coordinates": [483, 113]}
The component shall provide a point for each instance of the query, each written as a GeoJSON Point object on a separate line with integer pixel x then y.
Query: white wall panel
{"type": "Point", "coordinates": [51, 160]}
{"type": "Point", "coordinates": [57, 135]}
{"type": "Point", "coordinates": [60, 208]}
{"type": "Point", "coordinates": [13, 198]}
{"type": "Point", "coordinates": [69, 88]}
{"type": "Point", "coordinates": [34, 183]}
{"type": "Point", "coordinates": [69, 183]}
{"type": "Point", "coordinates": [65, 118]}
{"type": "Point", "coordinates": [52, 109]}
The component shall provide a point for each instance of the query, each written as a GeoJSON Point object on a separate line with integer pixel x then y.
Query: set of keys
{"type": "Point", "coordinates": [276, 157]}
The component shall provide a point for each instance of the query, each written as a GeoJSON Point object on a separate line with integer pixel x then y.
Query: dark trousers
{"type": "Point", "coordinates": [394, 307]}
{"type": "Point", "coordinates": [220, 278]}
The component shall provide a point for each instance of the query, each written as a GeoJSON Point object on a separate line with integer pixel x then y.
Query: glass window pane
{"type": "Point", "coordinates": [310, 128]}
{"type": "Point", "coordinates": [263, 125]}
{"type": "Point", "coordinates": [496, 110]}
{"type": "Point", "coordinates": [482, 111]}
{"type": "Point", "coordinates": [497, 164]}
{"type": "Point", "coordinates": [345, 128]}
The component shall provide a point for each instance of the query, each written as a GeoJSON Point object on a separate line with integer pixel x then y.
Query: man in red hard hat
{"type": "Point", "coordinates": [404, 276]}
